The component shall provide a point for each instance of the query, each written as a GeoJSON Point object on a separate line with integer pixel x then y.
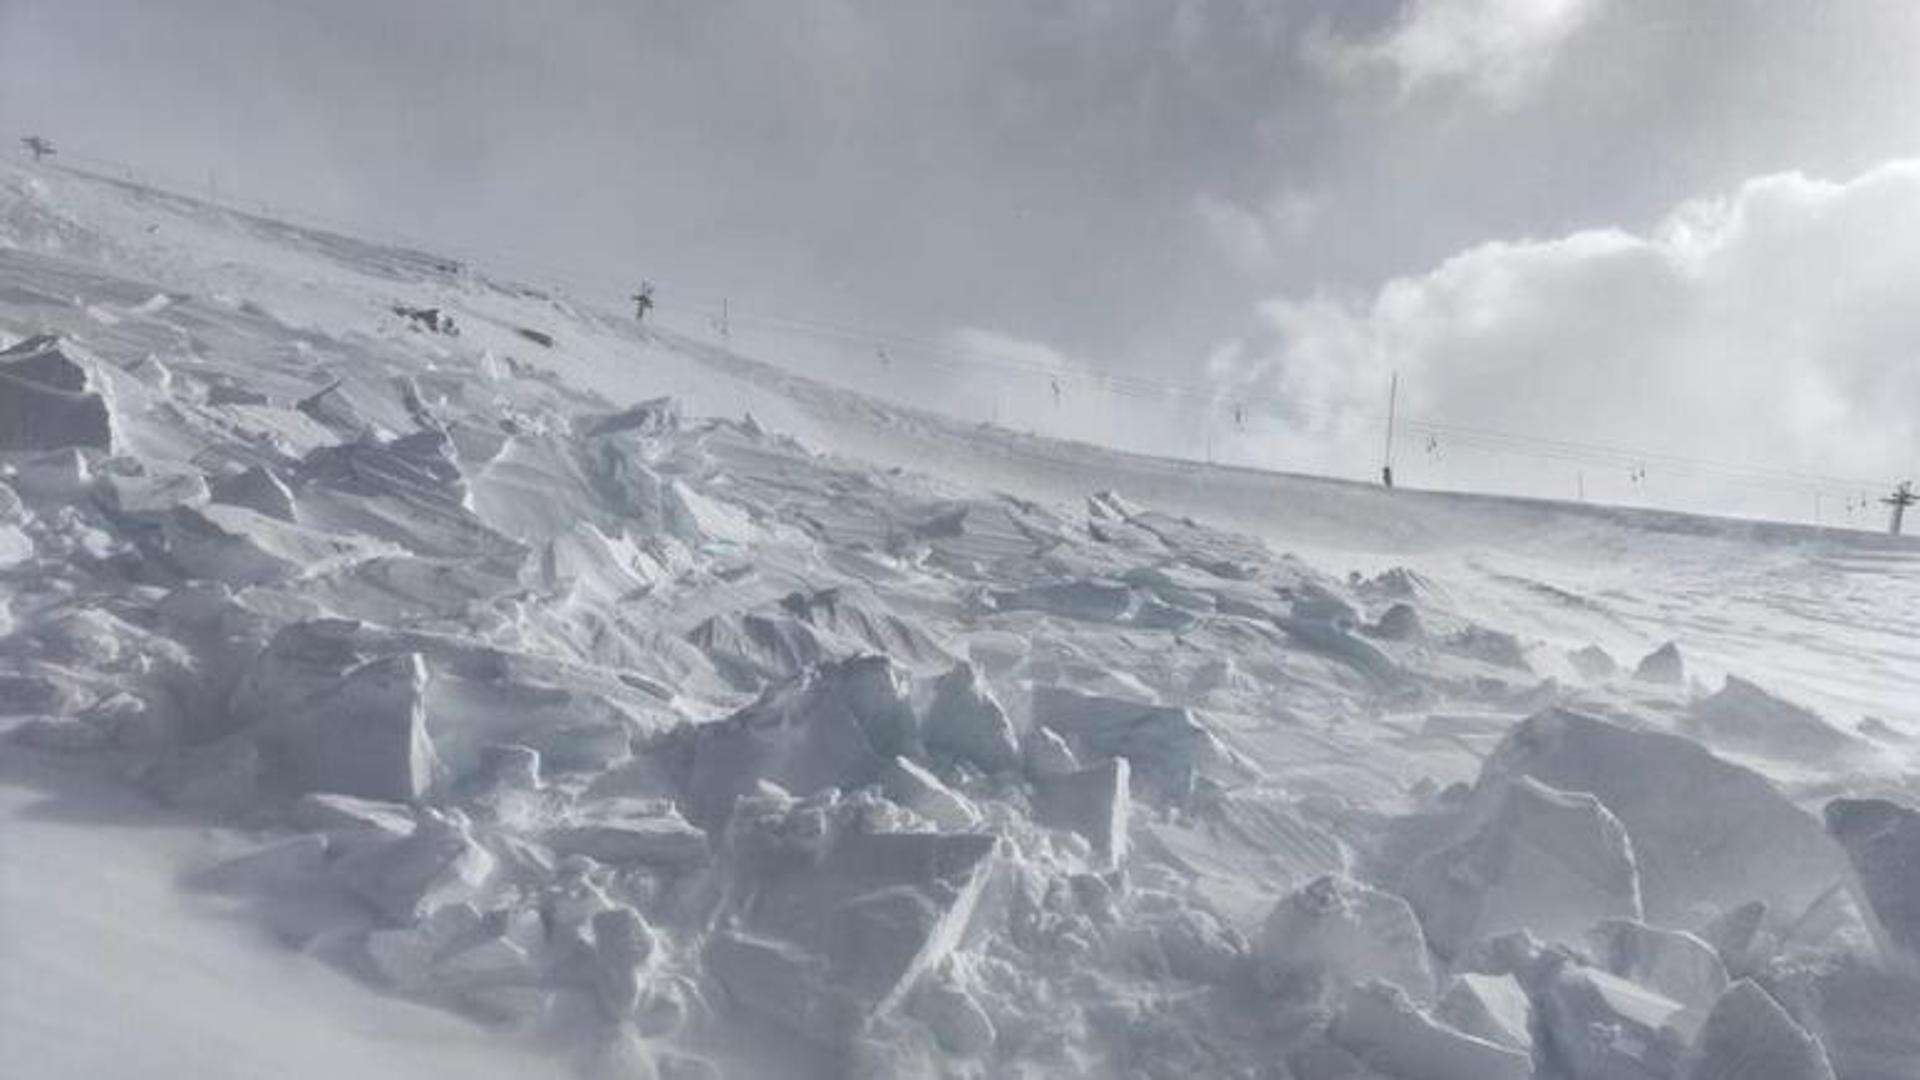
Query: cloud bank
{"type": "Point", "coordinates": [1772, 327]}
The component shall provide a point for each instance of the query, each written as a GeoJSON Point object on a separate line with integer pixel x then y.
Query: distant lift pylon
{"type": "Point", "coordinates": [1903, 496]}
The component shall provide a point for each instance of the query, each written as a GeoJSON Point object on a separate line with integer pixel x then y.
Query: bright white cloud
{"type": "Point", "coordinates": [1774, 326]}
{"type": "Point", "coordinates": [1493, 47]}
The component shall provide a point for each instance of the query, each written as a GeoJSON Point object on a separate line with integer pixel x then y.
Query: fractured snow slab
{"type": "Point", "coordinates": [1093, 802]}
{"type": "Point", "coordinates": [437, 864]}
{"type": "Point", "coordinates": [622, 831]}
{"type": "Point", "coordinates": [1604, 1027]}
{"type": "Point", "coordinates": [1672, 962]}
{"type": "Point", "coordinates": [1882, 841]}
{"type": "Point", "coordinates": [825, 946]}
{"type": "Point", "coordinates": [913, 787]}
{"type": "Point", "coordinates": [363, 735]}
{"type": "Point", "coordinates": [1166, 744]}
{"type": "Point", "coordinates": [1744, 718]}
{"type": "Point", "coordinates": [964, 721]}
{"type": "Point", "coordinates": [1748, 1036]}
{"type": "Point", "coordinates": [1704, 830]}
{"type": "Point", "coordinates": [835, 726]}
{"type": "Point", "coordinates": [1383, 1027]}
{"type": "Point", "coordinates": [1549, 861]}
{"type": "Point", "coordinates": [47, 401]}
{"type": "Point", "coordinates": [1335, 932]}
{"type": "Point", "coordinates": [1494, 1007]}
{"type": "Point", "coordinates": [152, 491]}
{"type": "Point", "coordinates": [259, 489]}
{"type": "Point", "coordinates": [243, 547]}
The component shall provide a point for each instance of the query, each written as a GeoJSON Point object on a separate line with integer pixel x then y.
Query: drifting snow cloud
{"type": "Point", "coordinates": [1495, 48]}
{"type": "Point", "coordinates": [1255, 238]}
{"type": "Point", "coordinates": [1774, 326]}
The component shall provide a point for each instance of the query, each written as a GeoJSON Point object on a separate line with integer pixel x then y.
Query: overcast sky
{"type": "Point", "coordinates": [1687, 227]}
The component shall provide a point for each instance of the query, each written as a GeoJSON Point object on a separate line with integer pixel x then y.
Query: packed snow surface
{"type": "Point", "coordinates": [408, 672]}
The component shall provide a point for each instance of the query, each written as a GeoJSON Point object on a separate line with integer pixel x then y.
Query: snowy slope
{"type": "Point", "coordinates": [777, 730]}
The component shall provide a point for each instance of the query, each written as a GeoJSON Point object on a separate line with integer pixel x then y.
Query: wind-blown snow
{"type": "Point", "coordinates": [374, 631]}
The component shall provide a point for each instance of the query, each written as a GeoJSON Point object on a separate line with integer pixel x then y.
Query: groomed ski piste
{"type": "Point", "coordinates": [406, 673]}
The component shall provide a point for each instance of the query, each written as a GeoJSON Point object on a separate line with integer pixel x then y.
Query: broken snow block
{"type": "Point", "coordinates": [752, 650]}
{"type": "Point", "coordinates": [350, 823]}
{"type": "Point", "coordinates": [1603, 1026]}
{"type": "Point", "coordinates": [1335, 932]}
{"type": "Point", "coordinates": [1087, 600]}
{"type": "Point", "coordinates": [623, 945]}
{"type": "Point", "coordinates": [784, 983]}
{"type": "Point", "coordinates": [241, 547]}
{"type": "Point", "coordinates": [1545, 860]}
{"type": "Point", "coordinates": [1745, 718]}
{"type": "Point", "coordinates": [875, 912]}
{"type": "Point", "coordinates": [1672, 962]}
{"type": "Point", "coordinates": [1493, 1007]}
{"type": "Point", "coordinates": [624, 830]}
{"type": "Point", "coordinates": [1317, 603]}
{"type": "Point", "coordinates": [333, 410]}
{"type": "Point", "coordinates": [438, 864]}
{"type": "Point", "coordinates": [659, 416]}
{"type": "Point", "coordinates": [965, 722]}
{"type": "Point", "coordinates": [1748, 1036]}
{"type": "Point", "coordinates": [1662, 666]}
{"type": "Point", "coordinates": [918, 790]}
{"type": "Point", "coordinates": [152, 492]}
{"type": "Point", "coordinates": [59, 477]}
{"type": "Point", "coordinates": [834, 726]}
{"type": "Point", "coordinates": [1092, 802]}
{"type": "Point", "coordinates": [1593, 663]}
{"type": "Point", "coordinates": [1704, 830]}
{"type": "Point", "coordinates": [1335, 643]}
{"type": "Point", "coordinates": [1167, 745]}
{"type": "Point", "coordinates": [1048, 754]}
{"type": "Point", "coordinates": [957, 1019]}
{"type": "Point", "coordinates": [1735, 933]}
{"type": "Point", "coordinates": [857, 617]}
{"type": "Point", "coordinates": [1882, 842]}
{"type": "Point", "coordinates": [258, 489]}
{"type": "Point", "coordinates": [47, 401]}
{"type": "Point", "coordinates": [1385, 1029]}
{"type": "Point", "coordinates": [1400, 622]}
{"type": "Point", "coordinates": [363, 735]}
{"type": "Point", "coordinates": [408, 491]}
{"type": "Point", "coordinates": [300, 660]}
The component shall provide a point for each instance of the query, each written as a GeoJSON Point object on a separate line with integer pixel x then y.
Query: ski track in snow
{"type": "Point", "coordinates": [397, 694]}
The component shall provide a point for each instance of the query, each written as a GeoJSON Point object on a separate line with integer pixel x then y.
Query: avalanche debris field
{"type": "Point", "coordinates": [404, 672]}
